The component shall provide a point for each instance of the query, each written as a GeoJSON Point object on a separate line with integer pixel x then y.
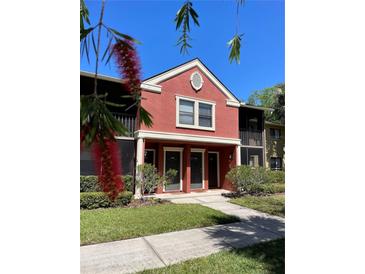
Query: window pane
{"type": "Point", "coordinates": [186, 119]}
{"type": "Point", "coordinates": [186, 112]}
{"type": "Point", "coordinates": [205, 109]}
{"type": "Point", "coordinates": [186, 106]}
{"type": "Point", "coordinates": [205, 122]}
{"type": "Point", "coordinates": [205, 115]}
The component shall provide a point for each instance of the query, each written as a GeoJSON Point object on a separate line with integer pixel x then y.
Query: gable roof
{"type": "Point", "coordinates": [152, 83]}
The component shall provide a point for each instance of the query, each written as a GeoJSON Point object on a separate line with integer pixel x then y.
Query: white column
{"type": "Point", "coordinates": [238, 155]}
{"type": "Point", "coordinates": [140, 160]}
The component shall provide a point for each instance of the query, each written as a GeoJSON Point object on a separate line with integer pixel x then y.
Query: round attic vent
{"type": "Point", "coordinates": [196, 81]}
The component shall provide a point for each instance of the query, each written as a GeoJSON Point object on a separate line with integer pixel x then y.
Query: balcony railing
{"type": "Point", "coordinates": [251, 137]}
{"type": "Point", "coordinates": [128, 120]}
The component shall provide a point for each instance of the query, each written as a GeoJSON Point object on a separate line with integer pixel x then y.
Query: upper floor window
{"type": "Point", "coordinates": [275, 133]}
{"type": "Point", "coordinates": [186, 112]}
{"type": "Point", "coordinates": [196, 114]}
{"type": "Point", "coordinates": [205, 115]}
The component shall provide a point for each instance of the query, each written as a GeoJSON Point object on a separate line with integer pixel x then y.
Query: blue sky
{"type": "Point", "coordinates": [152, 23]}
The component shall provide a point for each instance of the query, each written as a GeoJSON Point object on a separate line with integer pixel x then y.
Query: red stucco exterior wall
{"type": "Point", "coordinates": [163, 106]}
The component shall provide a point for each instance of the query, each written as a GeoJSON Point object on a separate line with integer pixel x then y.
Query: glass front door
{"type": "Point", "coordinates": [196, 166]}
{"type": "Point", "coordinates": [172, 161]}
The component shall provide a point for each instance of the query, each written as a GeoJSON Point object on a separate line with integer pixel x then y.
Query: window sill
{"type": "Point", "coordinates": [195, 127]}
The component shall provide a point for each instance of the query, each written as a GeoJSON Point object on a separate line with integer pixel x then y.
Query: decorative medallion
{"type": "Point", "coordinates": [196, 80]}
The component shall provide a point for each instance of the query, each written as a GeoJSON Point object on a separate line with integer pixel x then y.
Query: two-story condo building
{"type": "Point", "coordinates": [199, 128]}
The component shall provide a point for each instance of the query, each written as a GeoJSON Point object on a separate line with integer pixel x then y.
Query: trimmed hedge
{"type": "Point", "coordinates": [93, 200]}
{"type": "Point", "coordinates": [276, 176]}
{"type": "Point", "coordinates": [265, 188]}
{"type": "Point", "coordinates": [90, 183]}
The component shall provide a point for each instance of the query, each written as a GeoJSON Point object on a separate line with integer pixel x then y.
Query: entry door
{"type": "Point", "coordinates": [172, 161]}
{"type": "Point", "coordinates": [213, 170]}
{"type": "Point", "coordinates": [196, 167]}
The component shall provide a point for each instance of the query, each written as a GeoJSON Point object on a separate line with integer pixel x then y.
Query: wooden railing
{"type": "Point", "coordinates": [128, 120]}
{"type": "Point", "coordinates": [251, 137]}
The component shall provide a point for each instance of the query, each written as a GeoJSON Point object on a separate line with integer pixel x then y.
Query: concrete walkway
{"type": "Point", "coordinates": [155, 251]}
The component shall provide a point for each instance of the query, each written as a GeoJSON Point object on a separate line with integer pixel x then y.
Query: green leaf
{"type": "Point", "coordinates": [85, 32]}
{"type": "Point", "coordinates": [180, 16]}
{"type": "Point", "coordinates": [124, 36]}
{"type": "Point", "coordinates": [182, 20]}
{"type": "Point", "coordinates": [94, 45]}
{"type": "Point", "coordinates": [114, 104]}
{"type": "Point", "coordinates": [108, 49]}
{"type": "Point", "coordinates": [194, 16]}
{"type": "Point", "coordinates": [145, 117]}
{"type": "Point", "coordinates": [235, 46]}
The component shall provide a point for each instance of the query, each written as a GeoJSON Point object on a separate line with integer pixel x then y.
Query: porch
{"type": "Point", "coordinates": [200, 166]}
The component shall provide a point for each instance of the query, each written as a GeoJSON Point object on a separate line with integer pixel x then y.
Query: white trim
{"type": "Point", "coordinates": [186, 137]}
{"type": "Point", "coordinates": [218, 179]}
{"type": "Point", "coordinates": [238, 155]}
{"type": "Point", "coordinates": [154, 154]}
{"type": "Point", "coordinates": [139, 161]}
{"type": "Point", "coordinates": [180, 69]}
{"type": "Point", "coordinates": [198, 150]}
{"type": "Point", "coordinates": [124, 138]}
{"type": "Point", "coordinates": [232, 103]}
{"type": "Point", "coordinates": [196, 113]}
{"type": "Point", "coordinates": [175, 149]}
{"type": "Point", "coordinates": [151, 87]}
{"type": "Point", "coordinates": [185, 97]}
{"type": "Point", "coordinates": [101, 77]}
{"type": "Point", "coordinates": [243, 104]}
{"type": "Point", "coordinates": [252, 146]}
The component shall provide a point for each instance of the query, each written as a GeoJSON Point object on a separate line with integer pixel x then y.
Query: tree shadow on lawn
{"type": "Point", "coordinates": [260, 230]}
{"type": "Point", "coordinates": [251, 230]}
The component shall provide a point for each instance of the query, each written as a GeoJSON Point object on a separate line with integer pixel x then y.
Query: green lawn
{"type": "Point", "coordinates": [274, 204]}
{"type": "Point", "coordinates": [261, 258]}
{"type": "Point", "coordinates": [104, 225]}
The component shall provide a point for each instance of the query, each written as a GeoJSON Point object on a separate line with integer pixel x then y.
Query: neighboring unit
{"type": "Point", "coordinates": [199, 128]}
{"type": "Point", "coordinates": [275, 145]}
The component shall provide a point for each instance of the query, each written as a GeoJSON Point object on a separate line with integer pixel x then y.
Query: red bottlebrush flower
{"type": "Point", "coordinates": [128, 64]}
{"type": "Point", "coordinates": [108, 166]}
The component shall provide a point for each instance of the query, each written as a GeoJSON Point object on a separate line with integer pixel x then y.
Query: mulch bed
{"type": "Point", "coordinates": [147, 202]}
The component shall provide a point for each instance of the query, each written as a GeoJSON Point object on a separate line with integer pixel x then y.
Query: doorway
{"type": "Point", "coordinates": [173, 160]}
{"type": "Point", "coordinates": [213, 169]}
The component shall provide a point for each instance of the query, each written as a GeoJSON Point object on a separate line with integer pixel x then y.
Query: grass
{"type": "Point", "coordinates": [261, 258]}
{"type": "Point", "coordinates": [273, 204]}
{"type": "Point", "coordinates": [104, 225]}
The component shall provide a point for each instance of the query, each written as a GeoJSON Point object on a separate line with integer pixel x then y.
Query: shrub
{"type": "Point", "coordinates": [124, 198]}
{"type": "Point", "coordinates": [245, 177]}
{"type": "Point", "coordinates": [279, 188]}
{"type": "Point", "coordinates": [149, 178]}
{"type": "Point", "coordinates": [93, 200]}
{"type": "Point", "coordinates": [89, 184]}
{"type": "Point", "coordinates": [128, 182]}
{"type": "Point", "coordinates": [265, 188]}
{"type": "Point", "coordinates": [276, 176]}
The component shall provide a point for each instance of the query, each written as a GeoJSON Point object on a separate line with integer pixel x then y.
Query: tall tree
{"type": "Point", "coordinates": [98, 126]}
{"type": "Point", "coordinates": [272, 97]}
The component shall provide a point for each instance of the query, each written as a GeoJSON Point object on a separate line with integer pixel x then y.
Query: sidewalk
{"type": "Point", "coordinates": [155, 251]}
